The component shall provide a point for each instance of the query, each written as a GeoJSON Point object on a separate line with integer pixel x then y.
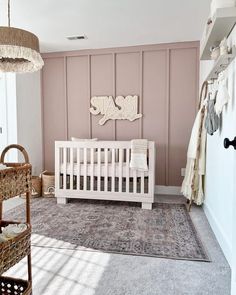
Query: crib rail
{"type": "Point", "coordinates": [100, 170]}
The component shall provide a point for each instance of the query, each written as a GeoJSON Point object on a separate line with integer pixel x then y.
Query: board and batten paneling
{"type": "Point", "coordinates": [77, 80]}
{"type": "Point", "coordinates": [155, 106]}
{"type": "Point", "coordinates": [127, 83]}
{"type": "Point", "coordinates": [182, 109]}
{"type": "Point", "coordinates": [165, 77]}
{"type": "Point", "coordinates": [102, 72]}
{"type": "Point", "coordinates": [54, 107]}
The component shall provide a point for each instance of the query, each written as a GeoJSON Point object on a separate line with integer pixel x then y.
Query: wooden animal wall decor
{"type": "Point", "coordinates": [123, 108]}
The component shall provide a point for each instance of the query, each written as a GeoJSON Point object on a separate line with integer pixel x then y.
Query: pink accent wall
{"type": "Point", "coordinates": [165, 77]}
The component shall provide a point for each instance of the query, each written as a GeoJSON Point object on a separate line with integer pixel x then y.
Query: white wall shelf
{"type": "Point", "coordinates": [221, 64]}
{"type": "Point", "coordinates": [222, 24]}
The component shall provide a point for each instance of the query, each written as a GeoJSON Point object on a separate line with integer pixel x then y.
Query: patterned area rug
{"type": "Point", "coordinates": [117, 227]}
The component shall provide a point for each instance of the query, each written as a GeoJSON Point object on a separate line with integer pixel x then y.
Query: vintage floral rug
{"type": "Point", "coordinates": [117, 227]}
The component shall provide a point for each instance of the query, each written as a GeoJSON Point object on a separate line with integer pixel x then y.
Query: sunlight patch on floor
{"type": "Point", "coordinates": [58, 269]}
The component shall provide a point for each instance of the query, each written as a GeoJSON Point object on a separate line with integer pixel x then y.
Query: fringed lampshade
{"type": "Point", "coordinates": [19, 50]}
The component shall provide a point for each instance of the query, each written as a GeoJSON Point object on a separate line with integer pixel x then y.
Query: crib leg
{"type": "Point", "coordinates": [147, 206]}
{"type": "Point", "coordinates": [62, 201]}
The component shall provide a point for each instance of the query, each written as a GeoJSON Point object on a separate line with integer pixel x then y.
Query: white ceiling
{"type": "Point", "coordinates": [108, 23]}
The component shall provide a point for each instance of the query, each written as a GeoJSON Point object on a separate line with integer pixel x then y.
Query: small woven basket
{"type": "Point", "coordinates": [48, 184]}
{"type": "Point", "coordinates": [36, 190]}
{"type": "Point", "coordinates": [14, 286]}
{"type": "Point", "coordinates": [13, 250]}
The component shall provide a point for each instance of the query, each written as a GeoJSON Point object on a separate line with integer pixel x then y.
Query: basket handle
{"type": "Point", "coordinates": [41, 174]}
{"type": "Point", "coordinates": [14, 146]}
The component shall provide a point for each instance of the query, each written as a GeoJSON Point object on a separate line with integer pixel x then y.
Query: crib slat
{"type": "Point", "coordinates": [113, 170]}
{"type": "Point", "coordinates": [120, 169]}
{"type": "Point", "coordinates": [64, 166]}
{"type": "Point", "coordinates": [85, 169]}
{"type": "Point", "coordinates": [134, 181]}
{"type": "Point", "coordinates": [106, 172]}
{"type": "Point", "coordinates": [127, 170]}
{"type": "Point", "coordinates": [71, 168]}
{"type": "Point", "coordinates": [142, 182]}
{"type": "Point", "coordinates": [78, 169]}
{"type": "Point", "coordinates": [57, 167]}
{"type": "Point", "coordinates": [92, 169]}
{"type": "Point", "coordinates": [99, 171]}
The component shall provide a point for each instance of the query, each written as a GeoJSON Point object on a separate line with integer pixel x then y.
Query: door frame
{"type": "Point", "coordinates": [233, 269]}
{"type": "Point", "coordinates": [9, 112]}
{"type": "Point", "coordinates": [3, 112]}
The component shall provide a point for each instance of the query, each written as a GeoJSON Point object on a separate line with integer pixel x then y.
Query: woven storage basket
{"type": "Point", "coordinates": [48, 184]}
{"type": "Point", "coordinates": [12, 251]}
{"type": "Point", "coordinates": [14, 181]}
{"type": "Point", "coordinates": [36, 190]}
{"type": "Point", "coordinates": [17, 178]}
{"type": "Point", "coordinates": [14, 286]}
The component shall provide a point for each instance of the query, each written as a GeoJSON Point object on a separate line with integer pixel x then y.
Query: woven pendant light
{"type": "Point", "coordinates": [19, 50]}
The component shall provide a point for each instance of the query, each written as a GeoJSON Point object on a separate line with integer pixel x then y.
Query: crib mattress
{"type": "Point", "coordinates": [104, 169]}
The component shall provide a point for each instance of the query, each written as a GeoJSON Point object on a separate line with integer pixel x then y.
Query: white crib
{"type": "Point", "coordinates": [100, 170]}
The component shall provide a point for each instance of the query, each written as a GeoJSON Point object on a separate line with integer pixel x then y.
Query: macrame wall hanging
{"type": "Point", "coordinates": [19, 49]}
{"type": "Point", "coordinates": [123, 108]}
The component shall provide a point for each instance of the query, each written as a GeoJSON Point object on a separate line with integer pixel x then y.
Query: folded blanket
{"type": "Point", "coordinates": [138, 159]}
{"type": "Point", "coordinates": [2, 167]}
{"type": "Point", "coordinates": [11, 231]}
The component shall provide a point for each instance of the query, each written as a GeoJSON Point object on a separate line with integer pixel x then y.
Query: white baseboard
{"type": "Point", "coordinates": [233, 287]}
{"type": "Point", "coordinates": [219, 233]}
{"type": "Point", "coordinates": [167, 190]}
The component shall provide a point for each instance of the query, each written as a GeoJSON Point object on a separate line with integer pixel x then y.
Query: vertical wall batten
{"type": "Point", "coordinates": [197, 78]}
{"type": "Point", "coordinates": [66, 97]}
{"type": "Point", "coordinates": [42, 119]}
{"type": "Point", "coordinates": [114, 86]}
{"type": "Point", "coordinates": [89, 95]}
{"type": "Point", "coordinates": [168, 52]}
{"type": "Point", "coordinates": [141, 95]}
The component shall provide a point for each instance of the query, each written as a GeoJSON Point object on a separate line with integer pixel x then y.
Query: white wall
{"type": "Point", "coordinates": [29, 121]}
{"type": "Point", "coordinates": [220, 175]}
{"type": "Point", "coordinates": [3, 113]}
{"type": "Point", "coordinates": [11, 112]}
{"type": "Point", "coordinates": [233, 277]}
{"type": "Point", "coordinates": [8, 114]}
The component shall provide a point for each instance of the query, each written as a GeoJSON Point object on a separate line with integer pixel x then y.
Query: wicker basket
{"type": "Point", "coordinates": [36, 190]}
{"type": "Point", "coordinates": [48, 184]}
{"type": "Point", "coordinates": [14, 286]}
{"type": "Point", "coordinates": [12, 251]}
{"type": "Point", "coordinates": [16, 179]}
